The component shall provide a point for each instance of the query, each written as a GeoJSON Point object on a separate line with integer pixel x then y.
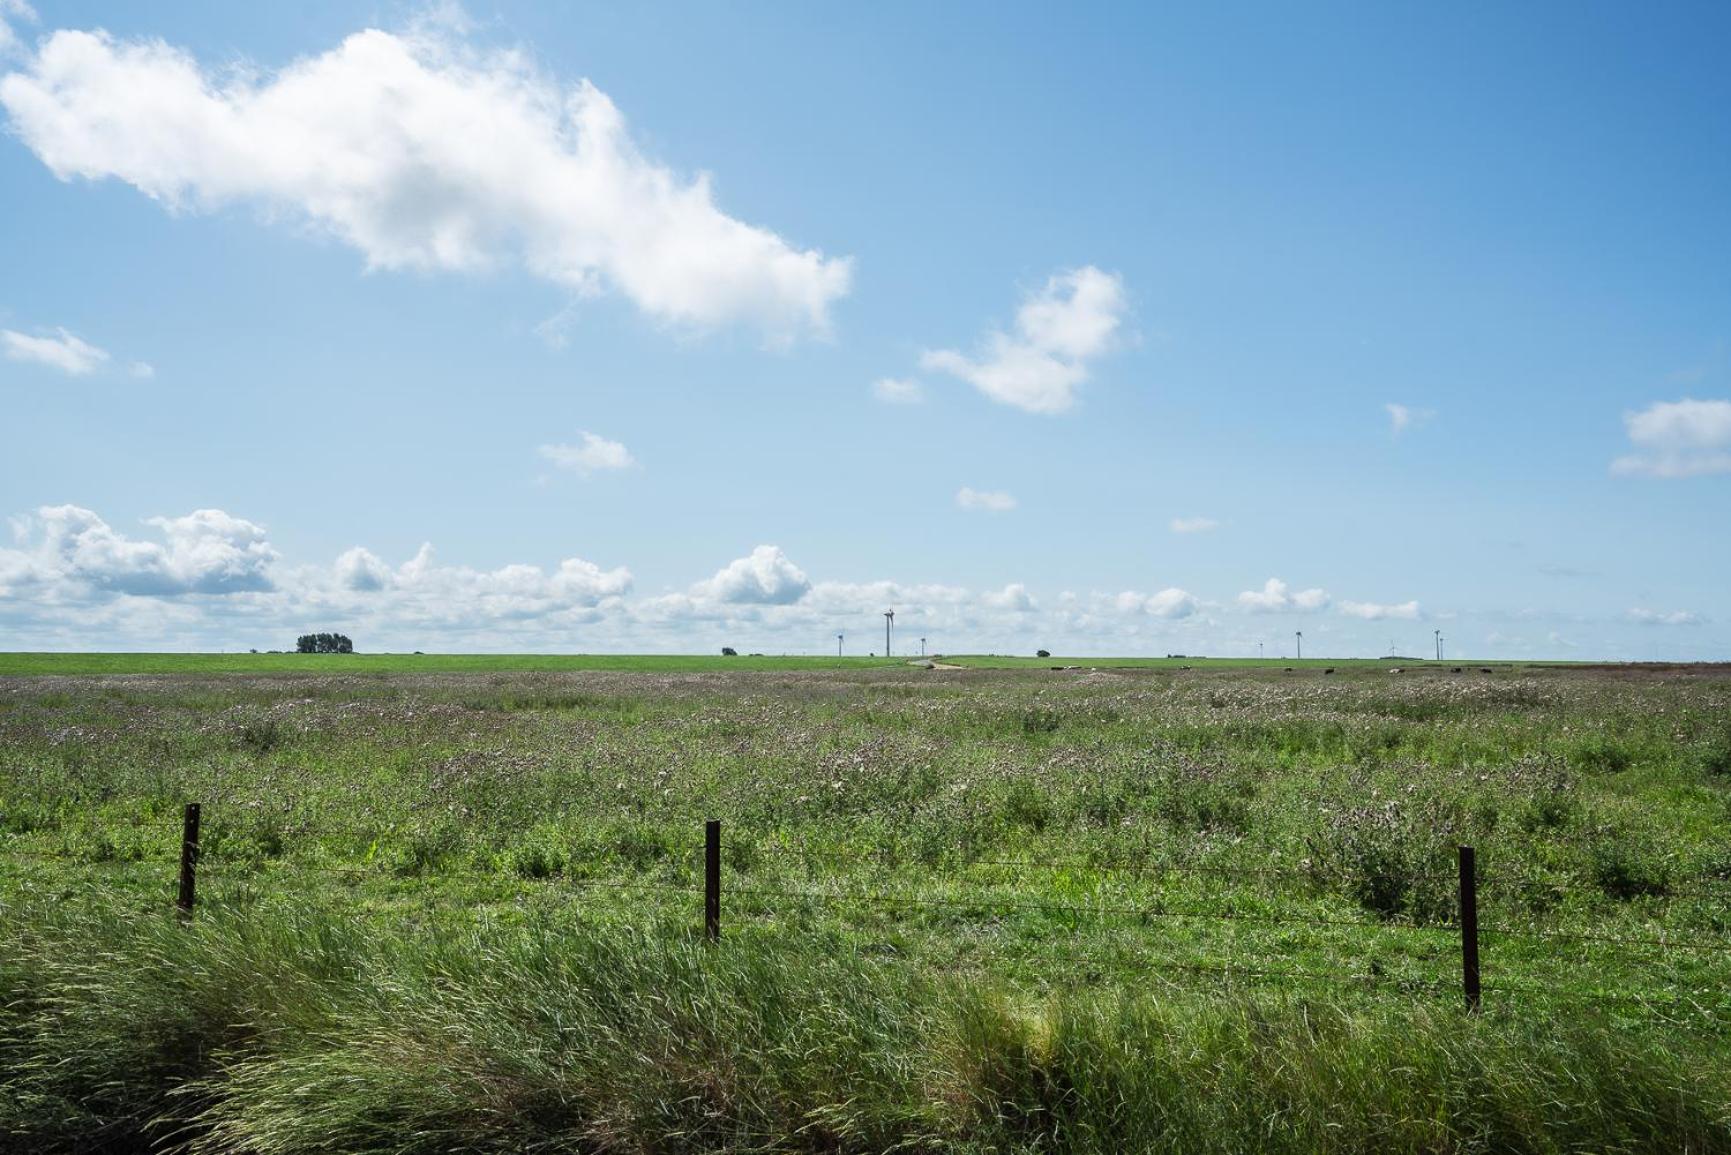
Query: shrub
{"type": "Point", "coordinates": [1391, 860]}
{"type": "Point", "coordinates": [1623, 870]}
{"type": "Point", "coordinates": [1599, 754]}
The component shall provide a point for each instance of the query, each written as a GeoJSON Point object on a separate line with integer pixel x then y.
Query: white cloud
{"type": "Point", "coordinates": [63, 351]}
{"type": "Point", "coordinates": [1193, 524]}
{"type": "Point", "coordinates": [142, 370]}
{"type": "Point", "coordinates": [420, 152]}
{"type": "Point", "coordinates": [1013, 597]}
{"type": "Point", "coordinates": [898, 391]}
{"type": "Point", "coordinates": [71, 550]}
{"type": "Point", "coordinates": [1275, 597]}
{"type": "Point", "coordinates": [362, 570]}
{"type": "Point", "coordinates": [1058, 332]}
{"type": "Point", "coordinates": [765, 577]}
{"type": "Point", "coordinates": [13, 10]}
{"type": "Point", "coordinates": [1374, 612]}
{"type": "Point", "coordinates": [593, 455]}
{"type": "Point", "coordinates": [986, 500]}
{"type": "Point", "coordinates": [1170, 603]}
{"type": "Point", "coordinates": [1656, 618]}
{"type": "Point", "coordinates": [422, 593]}
{"type": "Point", "coordinates": [1686, 438]}
{"type": "Point", "coordinates": [1404, 417]}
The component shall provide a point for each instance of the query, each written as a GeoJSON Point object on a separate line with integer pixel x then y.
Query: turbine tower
{"type": "Point", "coordinates": [889, 620]}
{"type": "Point", "coordinates": [1300, 635]}
{"type": "Point", "coordinates": [838, 638]}
{"type": "Point", "coordinates": [1438, 644]}
{"type": "Point", "coordinates": [922, 647]}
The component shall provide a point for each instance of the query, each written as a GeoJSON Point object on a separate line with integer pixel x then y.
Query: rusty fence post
{"type": "Point", "coordinates": [1470, 929]}
{"type": "Point", "coordinates": [188, 859]}
{"type": "Point", "coordinates": [712, 880]}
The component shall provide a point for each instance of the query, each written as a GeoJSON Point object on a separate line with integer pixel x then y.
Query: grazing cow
{"type": "Point", "coordinates": [1330, 670]}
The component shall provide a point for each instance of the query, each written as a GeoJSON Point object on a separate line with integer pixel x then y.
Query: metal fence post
{"type": "Point", "coordinates": [712, 880]}
{"type": "Point", "coordinates": [1469, 929]}
{"type": "Point", "coordinates": [188, 859]}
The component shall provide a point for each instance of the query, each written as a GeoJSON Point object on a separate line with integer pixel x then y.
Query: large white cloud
{"type": "Point", "coordinates": [764, 577]}
{"type": "Point", "coordinates": [1058, 332]}
{"type": "Point", "coordinates": [1276, 597]}
{"type": "Point", "coordinates": [1684, 438]}
{"type": "Point", "coordinates": [70, 550]}
{"type": "Point", "coordinates": [62, 350]}
{"type": "Point", "coordinates": [422, 592]}
{"type": "Point", "coordinates": [421, 153]}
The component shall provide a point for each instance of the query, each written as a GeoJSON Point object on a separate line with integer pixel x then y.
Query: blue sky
{"type": "Point", "coordinates": [672, 327]}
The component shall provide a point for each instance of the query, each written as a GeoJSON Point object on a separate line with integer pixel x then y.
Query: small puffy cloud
{"type": "Point", "coordinates": [1276, 597]}
{"type": "Point", "coordinates": [1403, 417]}
{"type": "Point", "coordinates": [1374, 612]}
{"type": "Point", "coordinates": [984, 500]}
{"type": "Point", "coordinates": [766, 577]}
{"type": "Point", "coordinates": [593, 455]}
{"type": "Point", "coordinates": [62, 351]}
{"type": "Point", "coordinates": [1193, 524]}
{"type": "Point", "coordinates": [1657, 618]}
{"type": "Point", "coordinates": [898, 391]}
{"type": "Point", "coordinates": [423, 152]}
{"type": "Point", "coordinates": [1058, 332]}
{"type": "Point", "coordinates": [361, 570]}
{"type": "Point", "coordinates": [142, 370]}
{"type": "Point", "coordinates": [205, 552]}
{"type": "Point", "coordinates": [11, 10]}
{"type": "Point", "coordinates": [1684, 438]}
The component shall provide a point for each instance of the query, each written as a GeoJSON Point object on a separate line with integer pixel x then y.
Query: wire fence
{"type": "Point", "coordinates": [1466, 935]}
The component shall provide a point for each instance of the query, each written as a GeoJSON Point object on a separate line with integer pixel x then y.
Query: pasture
{"type": "Point", "coordinates": [457, 904]}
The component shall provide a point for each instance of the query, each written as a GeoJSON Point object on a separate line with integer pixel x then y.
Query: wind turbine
{"type": "Point", "coordinates": [889, 620]}
{"type": "Point", "coordinates": [838, 638]}
{"type": "Point", "coordinates": [1438, 644]}
{"type": "Point", "coordinates": [922, 647]}
{"type": "Point", "coordinates": [1300, 635]}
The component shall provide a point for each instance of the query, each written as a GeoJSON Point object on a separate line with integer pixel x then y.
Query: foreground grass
{"type": "Point", "coordinates": [1206, 910]}
{"type": "Point", "coordinates": [297, 1031]}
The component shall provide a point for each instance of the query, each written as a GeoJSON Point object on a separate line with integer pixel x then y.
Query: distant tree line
{"type": "Point", "coordinates": [324, 644]}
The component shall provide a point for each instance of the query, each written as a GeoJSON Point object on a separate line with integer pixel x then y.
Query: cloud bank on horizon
{"type": "Point", "coordinates": [213, 576]}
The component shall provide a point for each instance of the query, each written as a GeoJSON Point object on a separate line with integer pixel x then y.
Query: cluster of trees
{"type": "Point", "coordinates": [324, 644]}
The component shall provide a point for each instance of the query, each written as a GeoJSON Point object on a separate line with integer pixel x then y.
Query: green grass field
{"type": "Point", "coordinates": [1011, 909]}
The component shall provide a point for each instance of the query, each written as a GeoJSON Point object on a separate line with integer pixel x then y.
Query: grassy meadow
{"type": "Point", "coordinates": [455, 904]}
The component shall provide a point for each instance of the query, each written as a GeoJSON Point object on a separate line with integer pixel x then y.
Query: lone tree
{"type": "Point", "coordinates": [729, 652]}
{"type": "Point", "coordinates": [1042, 653]}
{"type": "Point", "coordinates": [324, 644]}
